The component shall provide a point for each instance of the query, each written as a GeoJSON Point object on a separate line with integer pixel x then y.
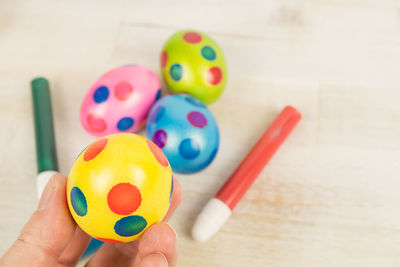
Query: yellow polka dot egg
{"type": "Point", "coordinates": [119, 186]}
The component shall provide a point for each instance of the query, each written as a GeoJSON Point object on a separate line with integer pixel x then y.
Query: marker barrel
{"type": "Point", "coordinates": [218, 209]}
{"type": "Point", "coordinates": [44, 130]}
{"type": "Point", "coordinates": [261, 153]}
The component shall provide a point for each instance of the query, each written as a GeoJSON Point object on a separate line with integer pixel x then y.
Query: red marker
{"type": "Point", "coordinates": [219, 208]}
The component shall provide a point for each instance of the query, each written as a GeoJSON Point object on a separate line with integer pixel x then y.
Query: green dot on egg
{"type": "Point", "coordinates": [176, 72]}
{"type": "Point", "coordinates": [208, 53]}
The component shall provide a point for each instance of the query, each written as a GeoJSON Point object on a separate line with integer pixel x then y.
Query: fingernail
{"type": "Point", "coordinates": [155, 259]}
{"type": "Point", "coordinates": [47, 193]}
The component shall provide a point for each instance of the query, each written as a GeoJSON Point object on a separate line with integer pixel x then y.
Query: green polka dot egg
{"type": "Point", "coordinates": [193, 63]}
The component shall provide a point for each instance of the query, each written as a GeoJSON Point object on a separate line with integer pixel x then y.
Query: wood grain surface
{"type": "Point", "coordinates": [330, 196]}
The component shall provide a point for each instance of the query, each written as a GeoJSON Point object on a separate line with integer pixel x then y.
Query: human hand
{"type": "Point", "coordinates": [52, 238]}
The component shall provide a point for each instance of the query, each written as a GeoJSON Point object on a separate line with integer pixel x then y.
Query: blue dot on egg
{"type": "Point", "coordinates": [158, 94]}
{"type": "Point", "coordinates": [101, 94]}
{"type": "Point", "coordinates": [157, 114]}
{"type": "Point", "coordinates": [130, 225]}
{"type": "Point", "coordinates": [208, 53]}
{"type": "Point", "coordinates": [194, 101]}
{"type": "Point", "coordinates": [176, 72]}
{"type": "Point", "coordinates": [78, 201]}
{"type": "Point", "coordinates": [189, 148]}
{"type": "Point", "coordinates": [125, 123]}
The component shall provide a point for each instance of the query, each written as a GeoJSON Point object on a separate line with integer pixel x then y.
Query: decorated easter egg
{"type": "Point", "coordinates": [120, 100]}
{"type": "Point", "coordinates": [119, 186]}
{"type": "Point", "coordinates": [185, 130]}
{"type": "Point", "coordinates": [193, 63]}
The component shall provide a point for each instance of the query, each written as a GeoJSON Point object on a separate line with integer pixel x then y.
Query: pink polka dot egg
{"type": "Point", "coordinates": [119, 186]}
{"type": "Point", "coordinates": [119, 101]}
{"type": "Point", "coordinates": [193, 63]}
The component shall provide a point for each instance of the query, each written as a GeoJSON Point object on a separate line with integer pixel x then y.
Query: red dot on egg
{"type": "Point", "coordinates": [158, 154]}
{"type": "Point", "coordinates": [124, 198]}
{"type": "Point", "coordinates": [163, 58]}
{"type": "Point", "coordinates": [214, 75]}
{"type": "Point", "coordinates": [95, 123]}
{"type": "Point", "coordinates": [95, 149]}
{"type": "Point", "coordinates": [123, 90]}
{"type": "Point", "coordinates": [192, 37]}
{"type": "Point", "coordinates": [109, 240]}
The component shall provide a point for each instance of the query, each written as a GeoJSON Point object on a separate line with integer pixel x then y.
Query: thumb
{"type": "Point", "coordinates": [47, 232]}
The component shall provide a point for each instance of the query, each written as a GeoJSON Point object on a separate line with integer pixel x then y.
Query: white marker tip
{"type": "Point", "coordinates": [214, 214]}
{"type": "Point", "coordinates": [41, 181]}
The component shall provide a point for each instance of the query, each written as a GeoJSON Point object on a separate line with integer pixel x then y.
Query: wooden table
{"type": "Point", "coordinates": [330, 197]}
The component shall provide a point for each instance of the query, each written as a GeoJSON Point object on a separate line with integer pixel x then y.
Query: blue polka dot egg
{"type": "Point", "coordinates": [185, 130]}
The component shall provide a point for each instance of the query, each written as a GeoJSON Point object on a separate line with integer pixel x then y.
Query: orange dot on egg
{"type": "Point", "coordinates": [95, 149]}
{"type": "Point", "coordinates": [163, 58]}
{"type": "Point", "coordinates": [95, 123]}
{"type": "Point", "coordinates": [158, 154]}
{"type": "Point", "coordinates": [192, 37]}
{"type": "Point", "coordinates": [123, 90]}
{"type": "Point", "coordinates": [214, 75]}
{"type": "Point", "coordinates": [124, 198]}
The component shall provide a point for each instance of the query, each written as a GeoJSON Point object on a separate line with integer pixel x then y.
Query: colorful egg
{"type": "Point", "coordinates": [185, 130]}
{"type": "Point", "coordinates": [119, 101]}
{"type": "Point", "coordinates": [193, 63]}
{"type": "Point", "coordinates": [119, 186]}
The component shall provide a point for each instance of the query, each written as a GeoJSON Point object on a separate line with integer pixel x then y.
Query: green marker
{"type": "Point", "coordinates": [45, 143]}
{"type": "Point", "coordinates": [44, 132]}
